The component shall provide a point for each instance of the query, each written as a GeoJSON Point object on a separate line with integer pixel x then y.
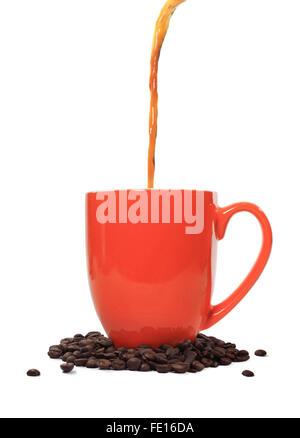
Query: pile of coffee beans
{"type": "Point", "coordinates": [94, 350]}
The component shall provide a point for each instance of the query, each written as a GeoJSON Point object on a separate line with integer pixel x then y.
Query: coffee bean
{"type": "Point", "coordinates": [190, 356]}
{"type": "Point", "coordinates": [81, 362]}
{"type": "Point", "coordinates": [92, 363]}
{"type": "Point", "coordinates": [184, 345]}
{"type": "Point", "coordinates": [67, 367]}
{"type": "Point", "coordinates": [145, 367]}
{"type": "Point", "coordinates": [133, 364]}
{"type": "Point", "coordinates": [106, 342]}
{"type": "Point", "coordinates": [66, 355]}
{"type": "Point", "coordinates": [165, 347]}
{"type": "Point", "coordinates": [180, 367]}
{"type": "Point", "coordinates": [260, 353]}
{"type": "Point", "coordinates": [104, 364]}
{"type": "Point", "coordinates": [92, 334]}
{"type": "Point", "coordinates": [54, 354]}
{"type": "Point", "coordinates": [161, 358]}
{"type": "Point", "coordinates": [149, 355]}
{"type": "Point", "coordinates": [198, 366]}
{"type": "Point", "coordinates": [55, 347]}
{"type": "Point", "coordinates": [225, 361]}
{"type": "Point", "coordinates": [118, 364]}
{"type": "Point", "coordinates": [243, 353]}
{"type": "Point", "coordinates": [206, 362]}
{"type": "Point", "coordinates": [163, 368]}
{"type": "Point", "coordinates": [219, 352]}
{"type": "Point", "coordinates": [66, 340]}
{"type": "Point", "coordinates": [248, 373]}
{"type": "Point", "coordinates": [171, 352]}
{"type": "Point", "coordinates": [33, 373]}
{"type": "Point", "coordinates": [241, 358]}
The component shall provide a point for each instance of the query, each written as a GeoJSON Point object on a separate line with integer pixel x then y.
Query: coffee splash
{"type": "Point", "coordinates": [161, 29]}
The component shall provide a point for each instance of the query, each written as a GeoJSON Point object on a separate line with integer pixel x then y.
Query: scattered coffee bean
{"type": "Point", "coordinates": [248, 373]}
{"type": "Point", "coordinates": [67, 367]}
{"type": "Point", "coordinates": [260, 353]}
{"type": "Point", "coordinates": [94, 350]}
{"type": "Point", "coordinates": [33, 373]}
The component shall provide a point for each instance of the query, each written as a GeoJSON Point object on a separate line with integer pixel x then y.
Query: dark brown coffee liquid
{"type": "Point", "coordinates": [161, 29]}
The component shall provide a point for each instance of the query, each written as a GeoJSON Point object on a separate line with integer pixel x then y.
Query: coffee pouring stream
{"type": "Point", "coordinates": [161, 29]}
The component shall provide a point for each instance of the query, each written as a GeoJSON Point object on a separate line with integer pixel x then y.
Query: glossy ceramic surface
{"type": "Point", "coordinates": [152, 283]}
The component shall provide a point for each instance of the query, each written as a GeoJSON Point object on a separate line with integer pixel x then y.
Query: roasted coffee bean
{"type": "Point", "coordinates": [248, 373]}
{"type": "Point", "coordinates": [243, 353]}
{"type": "Point", "coordinates": [77, 354]}
{"type": "Point", "coordinates": [55, 347]}
{"type": "Point", "coordinates": [198, 366]}
{"type": "Point", "coordinates": [81, 362]}
{"type": "Point", "coordinates": [161, 358]}
{"type": "Point", "coordinates": [71, 359]}
{"type": "Point", "coordinates": [260, 353]}
{"type": "Point", "coordinates": [66, 340]}
{"type": "Point", "coordinates": [54, 354]}
{"type": "Point", "coordinates": [229, 345]}
{"type": "Point", "coordinates": [133, 364]}
{"type": "Point", "coordinates": [73, 347]}
{"type": "Point", "coordinates": [105, 342]}
{"type": "Point", "coordinates": [92, 334]}
{"type": "Point", "coordinates": [92, 363]}
{"type": "Point", "coordinates": [145, 367]}
{"type": "Point", "coordinates": [184, 345]}
{"type": "Point", "coordinates": [225, 361]}
{"type": "Point", "coordinates": [165, 347]}
{"type": "Point", "coordinates": [118, 364]}
{"type": "Point", "coordinates": [104, 364]}
{"type": "Point", "coordinates": [66, 355]}
{"type": "Point", "coordinates": [33, 373]}
{"type": "Point", "coordinates": [149, 355]}
{"type": "Point", "coordinates": [241, 358]}
{"type": "Point", "coordinates": [171, 352]}
{"type": "Point", "coordinates": [190, 356]}
{"type": "Point", "coordinates": [230, 356]}
{"type": "Point", "coordinates": [219, 352]}
{"type": "Point", "coordinates": [180, 367]}
{"type": "Point", "coordinates": [162, 368]}
{"type": "Point", "coordinates": [206, 362]}
{"type": "Point", "coordinates": [67, 367]}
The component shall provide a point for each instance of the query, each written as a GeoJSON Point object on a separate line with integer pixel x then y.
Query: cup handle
{"type": "Point", "coordinates": [223, 215]}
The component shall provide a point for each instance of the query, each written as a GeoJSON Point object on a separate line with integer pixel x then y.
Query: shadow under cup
{"type": "Point", "coordinates": [151, 263]}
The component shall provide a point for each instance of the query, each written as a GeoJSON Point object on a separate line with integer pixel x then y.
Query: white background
{"type": "Point", "coordinates": [74, 104]}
